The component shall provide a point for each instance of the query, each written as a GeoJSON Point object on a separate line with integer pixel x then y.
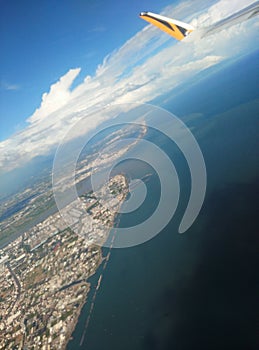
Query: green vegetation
{"type": "Point", "coordinates": [66, 314]}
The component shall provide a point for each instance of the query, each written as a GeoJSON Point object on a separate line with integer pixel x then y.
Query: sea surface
{"type": "Point", "coordinates": [197, 289]}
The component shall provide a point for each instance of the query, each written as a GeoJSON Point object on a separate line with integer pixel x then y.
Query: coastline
{"type": "Point", "coordinates": [68, 335]}
{"type": "Point", "coordinates": [104, 261]}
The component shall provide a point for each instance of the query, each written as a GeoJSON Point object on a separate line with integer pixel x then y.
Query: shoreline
{"type": "Point", "coordinates": [103, 260]}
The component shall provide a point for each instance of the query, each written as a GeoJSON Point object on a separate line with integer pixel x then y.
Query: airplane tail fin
{"type": "Point", "coordinates": [178, 30]}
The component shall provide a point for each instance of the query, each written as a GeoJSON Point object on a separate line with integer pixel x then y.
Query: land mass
{"type": "Point", "coordinates": [44, 273]}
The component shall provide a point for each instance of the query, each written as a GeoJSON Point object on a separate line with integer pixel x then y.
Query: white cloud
{"type": "Point", "coordinates": [147, 65]}
{"type": "Point", "coordinates": [58, 96]}
{"type": "Point", "coordinates": [8, 86]}
{"type": "Point", "coordinates": [98, 29]}
{"type": "Point", "coordinates": [224, 8]}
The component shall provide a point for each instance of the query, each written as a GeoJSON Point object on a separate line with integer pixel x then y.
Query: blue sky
{"type": "Point", "coordinates": [41, 40]}
{"type": "Point", "coordinates": [60, 60]}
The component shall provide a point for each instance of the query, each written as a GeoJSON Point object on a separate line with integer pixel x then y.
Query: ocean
{"type": "Point", "coordinates": [197, 289]}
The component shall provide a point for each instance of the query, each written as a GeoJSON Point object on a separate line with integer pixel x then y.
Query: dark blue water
{"type": "Point", "coordinates": [195, 290]}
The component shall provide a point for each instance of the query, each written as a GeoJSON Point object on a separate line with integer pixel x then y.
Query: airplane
{"type": "Point", "coordinates": [180, 30]}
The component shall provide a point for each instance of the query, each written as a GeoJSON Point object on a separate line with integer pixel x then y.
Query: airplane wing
{"type": "Point", "coordinates": [238, 17]}
{"type": "Point", "coordinates": [178, 30]}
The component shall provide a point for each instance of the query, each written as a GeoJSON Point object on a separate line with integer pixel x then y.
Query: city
{"type": "Point", "coordinates": [44, 272]}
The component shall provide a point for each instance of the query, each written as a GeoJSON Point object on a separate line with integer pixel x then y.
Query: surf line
{"type": "Point", "coordinates": [106, 260]}
{"type": "Point", "coordinates": [145, 178]}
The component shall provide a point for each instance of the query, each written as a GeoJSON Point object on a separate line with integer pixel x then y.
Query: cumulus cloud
{"type": "Point", "coordinates": [147, 65]}
{"type": "Point", "coordinates": [58, 96]}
